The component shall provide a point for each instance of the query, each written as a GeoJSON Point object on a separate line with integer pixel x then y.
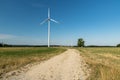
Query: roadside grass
{"type": "Point", "coordinates": [16, 57]}
{"type": "Point", "coordinates": [104, 62]}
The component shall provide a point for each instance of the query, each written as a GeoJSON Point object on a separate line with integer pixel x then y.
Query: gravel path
{"type": "Point", "coordinates": [66, 66]}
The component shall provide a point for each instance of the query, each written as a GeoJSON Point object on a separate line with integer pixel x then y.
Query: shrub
{"type": "Point", "coordinates": [118, 45]}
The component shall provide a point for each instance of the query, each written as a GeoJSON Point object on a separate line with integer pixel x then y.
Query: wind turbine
{"type": "Point", "coordinates": [48, 20]}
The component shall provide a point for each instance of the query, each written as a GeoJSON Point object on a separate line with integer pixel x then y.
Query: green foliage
{"type": "Point", "coordinates": [118, 45]}
{"type": "Point", "coordinates": [4, 45]}
{"type": "Point", "coordinates": [1, 45]}
{"type": "Point", "coordinates": [81, 42]}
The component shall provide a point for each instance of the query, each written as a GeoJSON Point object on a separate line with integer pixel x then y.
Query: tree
{"type": "Point", "coordinates": [81, 42]}
{"type": "Point", "coordinates": [118, 45]}
{"type": "Point", "coordinates": [1, 45]}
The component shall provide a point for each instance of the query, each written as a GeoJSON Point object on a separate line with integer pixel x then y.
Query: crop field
{"type": "Point", "coordinates": [15, 57]}
{"type": "Point", "coordinates": [104, 62]}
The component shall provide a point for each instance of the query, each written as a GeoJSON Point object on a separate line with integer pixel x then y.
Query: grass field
{"type": "Point", "coordinates": [13, 58]}
{"type": "Point", "coordinates": [104, 62]}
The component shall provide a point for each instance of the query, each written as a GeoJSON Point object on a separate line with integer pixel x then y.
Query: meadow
{"type": "Point", "coordinates": [104, 62]}
{"type": "Point", "coordinates": [12, 58]}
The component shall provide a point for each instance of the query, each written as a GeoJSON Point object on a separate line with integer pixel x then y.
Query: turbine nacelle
{"type": "Point", "coordinates": [46, 20]}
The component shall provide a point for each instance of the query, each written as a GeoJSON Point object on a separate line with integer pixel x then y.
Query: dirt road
{"type": "Point", "coordinates": [66, 66]}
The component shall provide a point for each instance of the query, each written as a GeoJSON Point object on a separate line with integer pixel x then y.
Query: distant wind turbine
{"type": "Point", "coordinates": [48, 20]}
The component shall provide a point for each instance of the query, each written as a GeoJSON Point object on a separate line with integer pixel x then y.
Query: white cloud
{"type": "Point", "coordinates": [6, 36]}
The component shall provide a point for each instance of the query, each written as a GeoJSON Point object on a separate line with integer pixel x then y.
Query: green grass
{"type": "Point", "coordinates": [16, 57]}
{"type": "Point", "coordinates": [104, 62]}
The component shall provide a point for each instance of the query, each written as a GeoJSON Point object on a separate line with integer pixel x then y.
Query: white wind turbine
{"type": "Point", "coordinates": [48, 20]}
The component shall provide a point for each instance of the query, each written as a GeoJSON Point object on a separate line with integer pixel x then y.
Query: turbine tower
{"type": "Point", "coordinates": [48, 20]}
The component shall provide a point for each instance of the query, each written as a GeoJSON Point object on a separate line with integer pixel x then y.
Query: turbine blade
{"type": "Point", "coordinates": [43, 21]}
{"type": "Point", "coordinates": [48, 12]}
{"type": "Point", "coordinates": [54, 20]}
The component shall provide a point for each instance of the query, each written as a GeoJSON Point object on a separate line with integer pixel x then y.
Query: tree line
{"type": "Point", "coordinates": [4, 45]}
{"type": "Point", "coordinates": [81, 43]}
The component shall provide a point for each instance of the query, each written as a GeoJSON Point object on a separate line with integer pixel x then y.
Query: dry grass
{"type": "Point", "coordinates": [13, 58]}
{"type": "Point", "coordinates": [104, 62]}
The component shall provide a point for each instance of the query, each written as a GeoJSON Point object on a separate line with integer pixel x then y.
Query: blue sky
{"type": "Point", "coordinates": [96, 21]}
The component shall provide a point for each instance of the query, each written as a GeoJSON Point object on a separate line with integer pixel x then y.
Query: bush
{"type": "Point", "coordinates": [1, 45]}
{"type": "Point", "coordinates": [118, 45]}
